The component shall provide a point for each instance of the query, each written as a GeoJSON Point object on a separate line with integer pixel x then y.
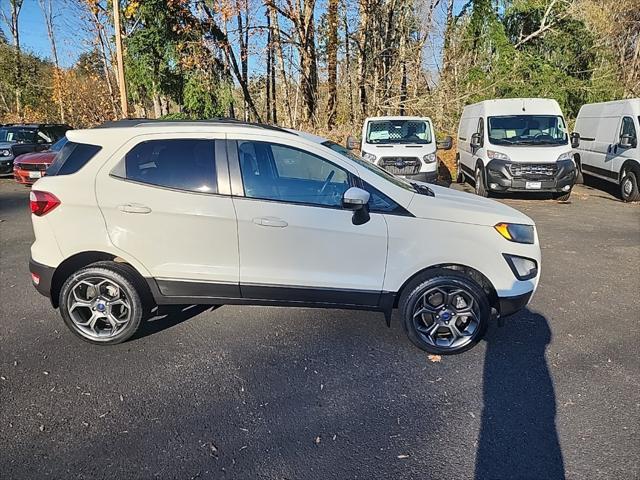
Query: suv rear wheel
{"type": "Point", "coordinates": [444, 312]}
{"type": "Point", "coordinates": [101, 303]}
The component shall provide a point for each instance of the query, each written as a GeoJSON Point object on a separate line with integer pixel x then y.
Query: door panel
{"type": "Point", "coordinates": [174, 233]}
{"type": "Point", "coordinates": [318, 247]}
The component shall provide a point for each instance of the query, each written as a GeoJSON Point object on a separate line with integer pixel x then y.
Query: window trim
{"type": "Point", "coordinates": [237, 183]}
{"type": "Point", "coordinates": [220, 160]}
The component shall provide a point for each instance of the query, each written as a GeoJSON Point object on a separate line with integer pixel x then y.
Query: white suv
{"type": "Point", "coordinates": [140, 213]}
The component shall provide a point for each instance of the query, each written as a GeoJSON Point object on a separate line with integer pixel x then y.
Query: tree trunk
{"type": "Point", "coordinates": [363, 40]}
{"type": "Point", "coordinates": [286, 87]}
{"type": "Point", "coordinates": [347, 67]}
{"type": "Point", "coordinates": [332, 62]}
{"type": "Point", "coordinates": [16, 6]}
{"type": "Point", "coordinates": [47, 13]}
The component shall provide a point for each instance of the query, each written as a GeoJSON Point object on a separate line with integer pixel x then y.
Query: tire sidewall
{"type": "Point", "coordinates": [481, 190]}
{"type": "Point", "coordinates": [124, 283]}
{"type": "Point", "coordinates": [416, 291]}
{"type": "Point", "coordinates": [631, 176]}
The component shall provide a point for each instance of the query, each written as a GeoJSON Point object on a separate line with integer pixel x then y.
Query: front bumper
{"type": "Point", "coordinates": [6, 166]}
{"type": "Point", "coordinates": [427, 177]}
{"type": "Point", "coordinates": [500, 178]}
{"type": "Point", "coordinates": [44, 274]}
{"type": "Point", "coordinates": [23, 176]}
{"type": "Point", "coordinates": [510, 305]}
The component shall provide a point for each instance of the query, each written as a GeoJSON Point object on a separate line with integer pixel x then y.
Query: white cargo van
{"type": "Point", "coordinates": [515, 144]}
{"type": "Point", "coordinates": [403, 146]}
{"type": "Point", "coordinates": [606, 144]}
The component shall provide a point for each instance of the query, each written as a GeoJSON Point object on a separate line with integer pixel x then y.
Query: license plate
{"type": "Point", "coordinates": [35, 174]}
{"type": "Point", "coordinates": [533, 185]}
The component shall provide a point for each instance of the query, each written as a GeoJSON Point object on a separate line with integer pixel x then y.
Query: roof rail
{"type": "Point", "coordinates": [141, 122]}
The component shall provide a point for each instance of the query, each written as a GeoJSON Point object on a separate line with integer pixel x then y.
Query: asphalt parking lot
{"type": "Point", "coordinates": [274, 393]}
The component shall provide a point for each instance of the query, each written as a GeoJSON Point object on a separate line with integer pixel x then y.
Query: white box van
{"type": "Point", "coordinates": [606, 144]}
{"type": "Point", "coordinates": [516, 144]}
{"type": "Point", "coordinates": [403, 146]}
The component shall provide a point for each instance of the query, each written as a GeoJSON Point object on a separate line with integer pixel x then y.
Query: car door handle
{"type": "Point", "coordinates": [134, 208]}
{"type": "Point", "coordinates": [270, 222]}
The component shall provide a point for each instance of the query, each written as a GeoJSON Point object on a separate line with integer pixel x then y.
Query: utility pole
{"type": "Point", "coordinates": [123, 86]}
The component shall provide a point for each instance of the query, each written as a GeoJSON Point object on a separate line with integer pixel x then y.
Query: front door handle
{"type": "Point", "coordinates": [270, 222]}
{"type": "Point", "coordinates": [134, 208]}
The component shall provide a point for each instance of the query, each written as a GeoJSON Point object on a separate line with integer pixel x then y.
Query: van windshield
{"type": "Point", "coordinates": [399, 131]}
{"type": "Point", "coordinates": [527, 130]}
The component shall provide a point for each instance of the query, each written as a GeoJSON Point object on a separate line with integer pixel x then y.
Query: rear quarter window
{"type": "Point", "coordinates": [72, 157]}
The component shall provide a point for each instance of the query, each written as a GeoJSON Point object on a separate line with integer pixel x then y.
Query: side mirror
{"type": "Point", "coordinates": [445, 143]}
{"type": "Point", "coordinates": [627, 141]}
{"type": "Point", "coordinates": [357, 199]}
{"type": "Point", "coordinates": [575, 140]}
{"type": "Point", "coordinates": [476, 141]}
{"type": "Point", "coordinates": [351, 143]}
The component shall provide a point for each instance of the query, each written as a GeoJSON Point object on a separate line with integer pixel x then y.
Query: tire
{"type": "Point", "coordinates": [579, 176]}
{"type": "Point", "coordinates": [562, 196]}
{"type": "Point", "coordinates": [629, 186]}
{"type": "Point", "coordinates": [434, 330]}
{"type": "Point", "coordinates": [103, 303]}
{"type": "Point", "coordinates": [459, 174]}
{"type": "Point", "coordinates": [481, 188]}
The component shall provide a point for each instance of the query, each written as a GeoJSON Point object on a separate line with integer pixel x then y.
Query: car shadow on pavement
{"type": "Point", "coordinates": [518, 436]}
{"type": "Point", "coordinates": [169, 316]}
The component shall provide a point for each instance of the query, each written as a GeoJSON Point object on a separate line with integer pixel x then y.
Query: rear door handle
{"type": "Point", "coordinates": [134, 208]}
{"type": "Point", "coordinates": [270, 222]}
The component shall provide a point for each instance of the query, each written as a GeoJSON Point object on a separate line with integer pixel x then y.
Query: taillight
{"type": "Point", "coordinates": [42, 203]}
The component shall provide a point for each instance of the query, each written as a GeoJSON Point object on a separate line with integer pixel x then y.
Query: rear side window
{"type": "Point", "coordinates": [72, 157]}
{"type": "Point", "coordinates": [183, 164]}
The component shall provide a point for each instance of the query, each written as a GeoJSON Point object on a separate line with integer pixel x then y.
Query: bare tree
{"type": "Point", "coordinates": [12, 20]}
{"type": "Point", "coordinates": [332, 62]}
{"type": "Point", "coordinates": [47, 12]}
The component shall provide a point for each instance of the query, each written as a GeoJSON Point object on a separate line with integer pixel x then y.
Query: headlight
{"type": "Point", "coordinates": [565, 156]}
{"type": "Point", "coordinates": [369, 157]}
{"type": "Point", "coordinates": [5, 152]}
{"type": "Point", "coordinates": [516, 232]}
{"type": "Point", "coordinates": [430, 158]}
{"type": "Point", "coordinates": [523, 268]}
{"type": "Point", "coordinates": [493, 155]}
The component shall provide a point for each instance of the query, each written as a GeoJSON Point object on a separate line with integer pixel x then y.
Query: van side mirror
{"type": "Point", "coordinates": [445, 143]}
{"type": "Point", "coordinates": [351, 143]}
{"type": "Point", "coordinates": [476, 141]}
{"type": "Point", "coordinates": [575, 140]}
{"type": "Point", "coordinates": [628, 141]}
{"type": "Point", "coordinates": [357, 200]}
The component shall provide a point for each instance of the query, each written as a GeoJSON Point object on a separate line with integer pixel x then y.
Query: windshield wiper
{"type": "Point", "coordinates": [422, 189]}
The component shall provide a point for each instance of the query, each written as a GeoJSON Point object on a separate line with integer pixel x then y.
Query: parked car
{"type": "Point", "coordinates": [18, 139]}
{"type": "Point", "coordinates": [29, 167]}
{"type": "Point", "coordinates": [515, 144]}
{"type": "Point", "coordinates": [606, 144]}
{"type": "Point", "coordinates": [225, 212]}
{"type": "Point", "coordinates": [403, 146]}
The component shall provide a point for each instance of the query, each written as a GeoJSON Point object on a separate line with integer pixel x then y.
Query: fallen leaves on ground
{"type": "Point", "coordinates": [435, 358]}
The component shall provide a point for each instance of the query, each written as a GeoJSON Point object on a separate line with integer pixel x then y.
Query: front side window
{"type": "Point", "coordinates": [287, 174]}
{"type": "Point", "coordinates": [628, 128]}
{"type": "Point", "coordinates": [399, 132]}
{"type": "Point", "coordinates": [183, 164]}
{"type": "Point", "coordinates": [527, 130]}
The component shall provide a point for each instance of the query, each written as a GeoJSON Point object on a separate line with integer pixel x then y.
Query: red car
{"type": "Point", "coordinates": [29, 167]}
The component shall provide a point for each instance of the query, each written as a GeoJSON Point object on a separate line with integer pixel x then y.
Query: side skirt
{"type": "Point", "coordinates": [177, 292]}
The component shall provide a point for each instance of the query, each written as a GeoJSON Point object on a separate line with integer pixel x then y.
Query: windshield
{"type": "Point", "coordinates": [56, 147]}
{"type": "Point", "coordinates": [369, 166]}
{"type": "Point", "coordinates": [17, 135]}
{"type": "Point", "coordinates": [527, 130]}
{"type": "Point", "coordinates": [398, 131]}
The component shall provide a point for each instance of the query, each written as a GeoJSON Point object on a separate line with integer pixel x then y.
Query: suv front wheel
{"type": "Point", "coordinates": [101, 304]}
{"type": "Point", "coordinates": [444, 312]}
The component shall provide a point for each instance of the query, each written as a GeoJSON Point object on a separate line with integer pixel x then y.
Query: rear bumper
{"type": "Point", "coordinates": [510, 305]}
{"type": "Point", "coordinates": [44, 274]}
{"type": "Point", "coordinates": [499, 178]}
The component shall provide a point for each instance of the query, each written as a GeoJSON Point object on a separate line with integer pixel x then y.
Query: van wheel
{"type": "Point", "coordinates": [444, 312]}
{"type": "Point", "coordinates": [481, 189]}
{"type": "Point", "coordinates": [459, 173]}
{"type": "Point", "coordinates": [562, 196]}
{"type": "Point", "coordinates": [629, 186]}
{"type": "Point", "coordinates": [101, 304]}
